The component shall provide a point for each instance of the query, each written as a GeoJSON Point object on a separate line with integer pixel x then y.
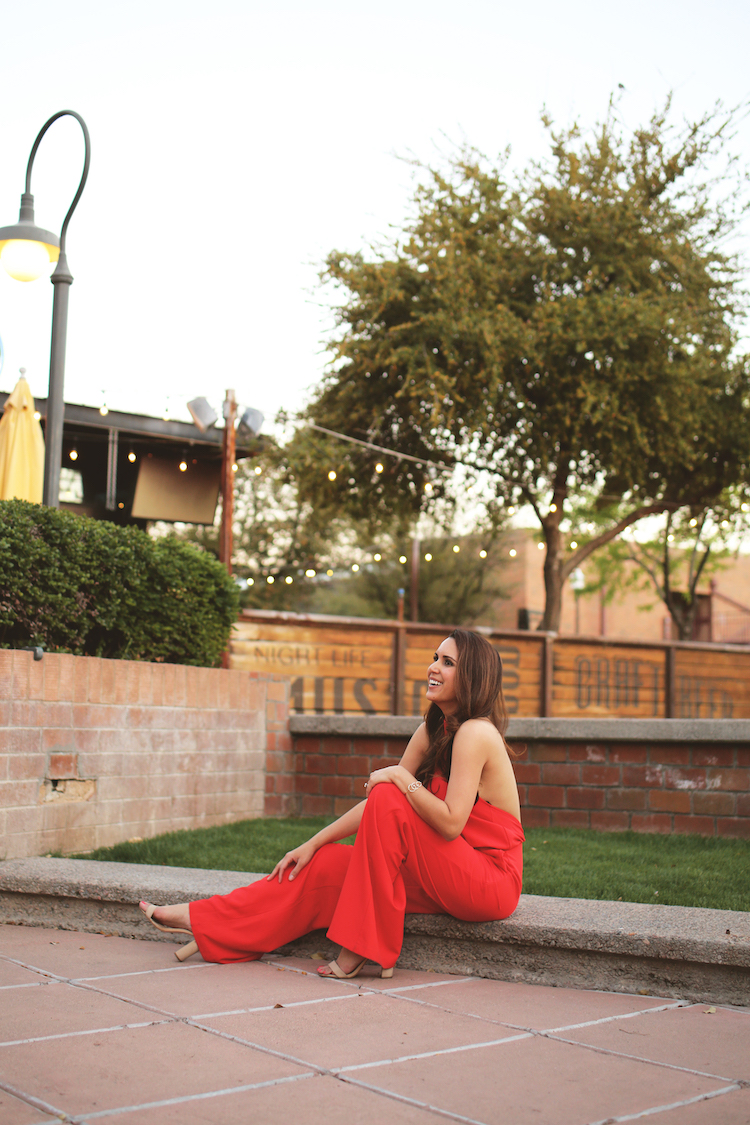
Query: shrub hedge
{"type": "Point", "coordinates": [91, 588]}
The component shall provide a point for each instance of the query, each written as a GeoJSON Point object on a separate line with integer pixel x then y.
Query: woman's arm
{"type": "Point", "coordinates": [472, 746]}
{"type": "Point", "coordinates": [345, 826]}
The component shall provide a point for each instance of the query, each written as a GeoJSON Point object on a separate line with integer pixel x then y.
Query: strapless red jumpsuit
{"type": "Point", "coordinates": [398, 865]}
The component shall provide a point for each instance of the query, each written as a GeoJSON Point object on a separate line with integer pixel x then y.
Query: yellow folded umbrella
{"type": "Point", "coordinates": [21, 448]}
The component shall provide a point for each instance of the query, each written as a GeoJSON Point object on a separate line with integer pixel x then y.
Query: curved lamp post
{"type": "Point", "coordinates": [25, 251]}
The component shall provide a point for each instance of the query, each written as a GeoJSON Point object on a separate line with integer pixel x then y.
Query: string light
{"type": "Point", "coordinates": [744, 507]}
{"type": "Point", "coordinates": [573, 545]}
{"type": "Point", "coordinates": [428, 487]}
{"type": "Point", "coordinates": [183, 466]}
{"type": "Point", "coordinates": [540, 546]}
{"type": "Point", "coordinates": [428, 557]}
{"type": "Point", "coordinates": [37, 418]}
{"type": "Point", "coordinates": [121, 505]}
{"type": "Point", "coordinates": [483, 554]}
{"type": "Point", "coordinates": [402, 558]}
{"type": "Point", "coordinates": [670, 539]}
{"type": "Point", "coordinates": [456, 548]}
{"type": "Point", "coordinates": [309, 573]}
{"type": "Point", "coordinates": [725, 523]}
{"type": "Point", "coordinates": [513, 552]}
{"type": "Point", "coordinates": [289, 580]}
{"type": "Point", "coordinates": [378, 468]}
{"type": "Point", "coordinates": [511, 510]}
{"type": "Point", "coordinates": [257, 470]}
{"type": "Point", "coordinates": [693, 523]}
{"type": "Point", "coordinates": [377, 557]}
{"type": "Point", "coordinates": [329, 573]}
{"type": "Point", "coordinates": [270, 580]}
{"type": "Point", "coordinates": [251, 581]}
{"type": "Point", "coordinates": [104, 410]}
{"type": "Point", "coordinates": [355, 567]}
{"type": "Point", "coordinates": [332, 474]}
{"type": "Point", "coordinates": [73, 455]}
{"type": "Point", "coordinates": [553, 507]}
{"type": "Point", "coordinates": [131, 457]}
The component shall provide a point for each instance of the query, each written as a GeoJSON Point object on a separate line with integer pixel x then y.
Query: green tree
{"type": "Point", "coordinates": [562, 334]}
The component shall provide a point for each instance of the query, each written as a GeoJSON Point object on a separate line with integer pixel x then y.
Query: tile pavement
{"type": "Point", "coordinates": [96, 1028]}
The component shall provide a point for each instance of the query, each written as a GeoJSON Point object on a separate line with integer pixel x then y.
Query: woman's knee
{"type": "Point", "coordinates": [386, 795]}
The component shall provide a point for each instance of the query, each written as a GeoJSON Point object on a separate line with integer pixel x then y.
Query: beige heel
{"type": "Point", "coordinates": [188, 950]}
{"type": "Point", "coordinates": [386, 974]}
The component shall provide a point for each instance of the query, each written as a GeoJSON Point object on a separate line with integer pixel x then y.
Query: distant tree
{"type": "Point", "coordinates": [563, 335]}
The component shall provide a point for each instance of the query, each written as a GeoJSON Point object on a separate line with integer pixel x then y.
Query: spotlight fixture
{"type": "Point", "coordinates": [251, 420]}
{"type": "Point", "coordinates": [202, 413]}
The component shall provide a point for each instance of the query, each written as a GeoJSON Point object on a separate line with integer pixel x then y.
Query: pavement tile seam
{"type": "Point", "coordinates": [270, 1007]}
{"type": "Point", "coordinates": [433, 1054]}
{"type": "Point", "coordinates": [256, 1046]}
{"type": "Point", "coordinates": [87, 1031]}
{"type": "Point", "coordinates": [613, 1019]}
{"type": "Point", "coordinates": [638, 1058]}
{"type": "Point", "coordinates": [85, 1117]}
{"type": "Point", "coordinates": [666, 1108]}
{"type": "Point", "coordinates": [414, 1101]}
{"type": "Point", "coordinates": [37, 1103]}
{"type": "Point", "coordinates": [149, 972]}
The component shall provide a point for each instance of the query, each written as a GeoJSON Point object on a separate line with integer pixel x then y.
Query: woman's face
{"type": "Point", "coordinates": [441, 677]}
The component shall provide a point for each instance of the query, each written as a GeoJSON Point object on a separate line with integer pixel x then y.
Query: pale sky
{"type": "Point", "coordinates": [235, 144]}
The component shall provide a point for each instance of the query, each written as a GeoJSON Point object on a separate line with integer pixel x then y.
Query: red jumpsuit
{"type": "Point", "coordinates": [398, 865]}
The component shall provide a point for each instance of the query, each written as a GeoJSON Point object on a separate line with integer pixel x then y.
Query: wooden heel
{"type": "Point", "coordinates": [188, 950]}
{"type": "Point", "coordinates": [386, 974]}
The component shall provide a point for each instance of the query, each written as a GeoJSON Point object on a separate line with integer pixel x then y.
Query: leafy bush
{"type": "Point", "coordinates": [91, 588]}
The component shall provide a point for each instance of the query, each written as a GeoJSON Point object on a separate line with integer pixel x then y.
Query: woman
{"type": "Point", "coordinates": [439, 833]}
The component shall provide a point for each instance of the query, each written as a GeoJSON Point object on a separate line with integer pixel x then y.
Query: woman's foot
{"type": "Point", "coordinates": [347, 961]}
{"type": "Point", "coordinates": [173, 917]}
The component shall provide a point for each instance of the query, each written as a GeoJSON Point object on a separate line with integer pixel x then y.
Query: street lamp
{"type": "Point", "coordinates": [25, 252]}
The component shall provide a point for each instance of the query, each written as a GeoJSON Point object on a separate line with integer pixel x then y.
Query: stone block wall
{"type": "Point", "coordinates": [93, 752]}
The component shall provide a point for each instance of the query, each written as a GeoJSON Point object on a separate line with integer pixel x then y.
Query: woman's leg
{"type": "Point", "coordinates": [257, 919]}
{"type": "Point", "coordinates": [400, 863]}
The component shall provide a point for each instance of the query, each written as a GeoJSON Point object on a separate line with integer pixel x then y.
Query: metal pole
{"type": "Point", "coordinates": [53, 430]}
{"type": "Point", "coordinates": [113, 446]}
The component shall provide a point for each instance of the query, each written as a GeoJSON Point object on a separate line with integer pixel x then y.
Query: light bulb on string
{"type": "Point", "coordinates": [257, 470]}
{"type": "Point", "coordinates": [270, 580]}
{"type": "Point", "coordinates": [402, 559]}
{"type": "Point", "coordinates": [378, 468]}
{"type": "Point", "coordinates": [428, 557]}
{"type": "Point", "coordinates": [235, 467]}
{"type": "Point", "coordinates": [251, 581]}
{"type": "Point", "coordinates": [483, 554]}
{"type": "Point", "coordinates": [329, 573]}
{"type": "Point", "coordinates": [573, 545]}
{"type": "Point", "coordinates": [456, 548]}
{"type": "Point", "coordinates": [289, 580]}
{"type": "Point", "coordinates": [553, 507]}
{"type": "Point", "coordinates": [511, 511]}
{"type": "Point", "coordinates": [540, 546]}
{"type": "Point", "coordinates": [377, 557]}
{"type": "Point", "coordinates": [183, 466]}
{"type": "Point", "coordinates": [512, 552]}
{"type": "Point", "coordinates": [131, 457]}
{"type": "Point", "coordinates": [355, 567]}
{"type": "Point", "coordinates": [332, 474]}
{"type": "Point", "coordinates": [310, 573]}
{"type": "Point", "coordinates": [73, 455]}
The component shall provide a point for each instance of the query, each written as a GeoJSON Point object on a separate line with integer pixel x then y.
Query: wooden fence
{"type": "Point", "coordinates": [350, 665]}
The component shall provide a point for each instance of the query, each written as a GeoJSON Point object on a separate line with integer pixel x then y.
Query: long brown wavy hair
{"type": "Point", "coordinates": [479, 695]}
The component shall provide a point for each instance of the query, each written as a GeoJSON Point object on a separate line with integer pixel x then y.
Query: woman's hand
{"type": "Point", "coordinates": [396, 775]}
{"type": "Point", "coordinates": [297, 858]}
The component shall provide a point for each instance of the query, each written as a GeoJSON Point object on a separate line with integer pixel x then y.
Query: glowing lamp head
{"type": "Point", "coordinates": [183, 466]}
{"type": "Point", "coordinates": [24, 259]}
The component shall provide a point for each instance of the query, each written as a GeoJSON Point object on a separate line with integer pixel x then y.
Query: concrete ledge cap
{"type": "Point", "coordinates": [675, 933]}
{"type": "Point", "coordinates": [558, 730]}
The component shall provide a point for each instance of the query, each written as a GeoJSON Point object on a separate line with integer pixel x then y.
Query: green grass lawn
{"type": "Point", "coordinates": [569, 862]}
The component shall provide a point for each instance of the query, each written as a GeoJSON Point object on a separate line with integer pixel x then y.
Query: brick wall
{"type": "Point", "coordinates": [325, 776]}
{"type": "Point", "coordinates": [93, 751]}
{"type": "Point", "coordinates": [658, 787]}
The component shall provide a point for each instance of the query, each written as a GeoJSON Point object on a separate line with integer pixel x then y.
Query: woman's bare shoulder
{"type": "Point", "coordinates": [479, 731]}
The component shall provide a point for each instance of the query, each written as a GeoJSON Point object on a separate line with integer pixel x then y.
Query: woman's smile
{"type": "Point", "coordinates": [441, 675]}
